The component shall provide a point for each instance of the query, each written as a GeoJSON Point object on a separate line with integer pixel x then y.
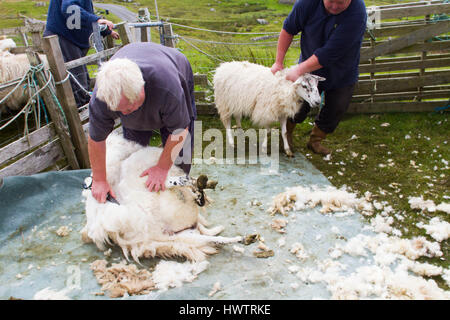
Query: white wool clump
{"type": "Point", "coordinates": [410, 248]}
{"type": "Point", "coordinates": [437, 229]}
{"type": "Point", "coordinates": [446, 276]}
{"type": "Point", "coordinates": [281, 242]}
{"type": "Point", "coordinates": [122, 279]}
{"type": "Point", "coordinates": [299, 250]}
{"type": "Point", "coordinates": [382, 224]}
{"type": "Point", "coordinates": [335, 253]}
{"type": "Point", "coordinates": [170, 274]}
{"type": "Point", "coordinates": [423, 269]}
{"type": "Point", "coordinates": [242, 89]}
{"type": "Point", "coordinates": [355, 246]}
{"type": "Point", "coordinates": [330, 198]}
{"type": "Point", "coordinates": [420, 203]}
{"type": "Point", "coordinates": [50, 294]}
{"type": "Point", "coordinates": [147, 224]}
{"type": "Point", "coordinates": [444, 206]}
{"type": "Point", "coordinates": [293, 269]}
{"type": "Point", "coordinates": [63, 231]}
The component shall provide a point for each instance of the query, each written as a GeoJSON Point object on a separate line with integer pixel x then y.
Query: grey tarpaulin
{"type": "Point", "coordinates": [33, 257]}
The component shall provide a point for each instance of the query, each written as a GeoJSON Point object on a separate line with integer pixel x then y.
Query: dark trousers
{"type": "Point", "coordinates": [72, 52]}
{"type": "Point", "coordinates": [184, 161]}
{"type": "Point", "coordinates": [336, 104]}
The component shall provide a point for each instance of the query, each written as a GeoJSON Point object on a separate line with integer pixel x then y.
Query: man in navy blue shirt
{"type": "Point", "coordinates": [332, 33]}
{"type": "Point", "coordinates": [72, 21]}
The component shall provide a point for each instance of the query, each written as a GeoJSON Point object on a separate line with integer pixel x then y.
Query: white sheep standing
{"type": "Point", "coordinates": [242, 89]}
{"type": "Point", "coordinates": [147, 224]}
{"type": "Point", "coordinates": [12, 67]}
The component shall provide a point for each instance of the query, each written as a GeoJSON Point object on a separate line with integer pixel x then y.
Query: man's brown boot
{"type": "Point", "coordinates": [315, 139]}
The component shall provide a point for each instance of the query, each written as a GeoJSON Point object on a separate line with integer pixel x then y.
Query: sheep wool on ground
{"type": "Point", "coordinates": [391, 270]}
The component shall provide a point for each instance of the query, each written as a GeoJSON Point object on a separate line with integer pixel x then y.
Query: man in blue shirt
{"type": "Point", "coordinates": [72, 21]}
{"type": "Point", "coordinates": [332, 33]}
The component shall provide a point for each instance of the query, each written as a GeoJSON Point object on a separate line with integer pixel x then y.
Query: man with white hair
{"type": "Point", "coordinates": [149, 87]}
{"type": "Point", "coordinates": [332, 33]}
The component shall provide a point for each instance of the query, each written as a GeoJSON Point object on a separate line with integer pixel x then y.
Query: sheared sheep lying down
{"type": "Point", "coordinates": [147, 224]}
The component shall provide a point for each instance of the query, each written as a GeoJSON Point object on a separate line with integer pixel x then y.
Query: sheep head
{"type": "Point", "coordinates": [306, 87]}
{"type": "Point", "coordinates": [198, 185]}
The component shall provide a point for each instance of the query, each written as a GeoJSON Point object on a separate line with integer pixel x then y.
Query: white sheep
{"type": "Point", "coordinates": [6, 43]}
{"type": "Point", "coordinates": [147, 224]}
{"type": "Point", "coordinates": [242, 88]}
{"type": "Point", "coordinates": [12, 67]}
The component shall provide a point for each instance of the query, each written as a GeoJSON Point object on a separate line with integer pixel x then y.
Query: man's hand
{"type": "Point", "coordinates": [100, 190]}
{"type": "Point", "coordinates": [293, 74]}
{"type": "Point", "coordinates": [115, 35]}
{"type": "Point", "coordinates": [156, 180]}
{"type": "Point", "coordinates": [276, 67]}
{"type": "Point", "coordinates": [107, 22]}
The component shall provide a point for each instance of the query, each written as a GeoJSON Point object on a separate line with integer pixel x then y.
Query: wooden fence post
{"type": "Point", "coordinates": [109, 42]}
{"type": "Point", "coordinates": [144, 16]}
{"type": "Point", "coordinates": [125, 33]}
{"type": "Point", "coordinates": [55, 113]}
{"type": "Point", "coordinates": [66, 98]}
{"type": "Point", "coordinates": [169, 40]}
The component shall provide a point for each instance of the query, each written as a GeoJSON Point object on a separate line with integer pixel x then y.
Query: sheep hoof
{"type": "Point", "coordinates": [289, 153]}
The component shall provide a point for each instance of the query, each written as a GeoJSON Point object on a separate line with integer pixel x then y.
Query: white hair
{"type": "Point", "coordinates": [116, 78]}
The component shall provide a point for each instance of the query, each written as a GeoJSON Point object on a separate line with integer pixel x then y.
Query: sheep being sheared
{"type": "Point", "coordinates": [242, 88]}
{"type": "Point", "coordinates": [147, 224]}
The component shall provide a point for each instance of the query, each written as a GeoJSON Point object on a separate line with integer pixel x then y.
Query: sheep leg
{"type": "Point", "coordinates": [227, 125]}
{"type": "Point", "coordinates": [288, 151]}
{"type": "Point", "coordinates": [238, 121]}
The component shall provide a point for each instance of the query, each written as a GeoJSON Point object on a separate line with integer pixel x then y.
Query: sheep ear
{"type": "Point", "coordinates": [297, 82]}
{"type": "Point", "coordinates": [319, 78]}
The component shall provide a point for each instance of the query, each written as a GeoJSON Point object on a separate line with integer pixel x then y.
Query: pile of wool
{"type": "Point", "coordinates": [390, 269]}
{"type": "Point", "coordinates": [437, 229]}
{"type": "Point", "coordinates": [330, 198]}
{"type": "Point", "coordinates": [429, 205]}
{"type": "Point", "coordinates": [122, 278]}
{"type": "Point", "coordinates": [171, 274]}
{"type": "Point", "coordinates": [388, 277]}
{"type": "Point", "coordinates": [147, 224]}
{"type": "Point", "coordinates": [374, 282]}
